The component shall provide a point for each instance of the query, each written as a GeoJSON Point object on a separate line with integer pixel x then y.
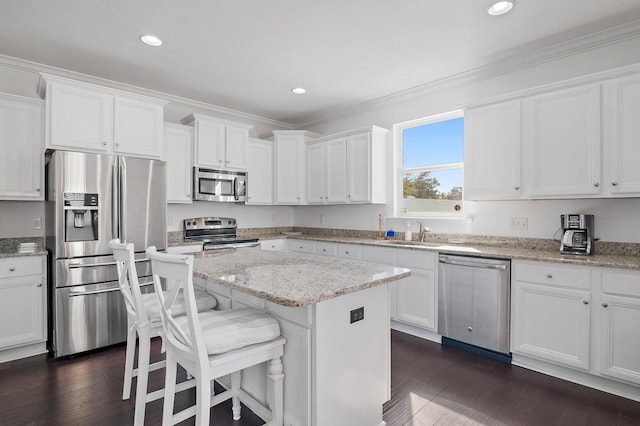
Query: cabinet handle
{"type": "Point", "coordinates": [37, 189]}
{"type": "Point", "coordinates": [597, 184]}
{"type": "Point", "coordinates": [517, 188]}
{"type": "Point", "coordinates": [614, 183]}
{"type": "Point", "coordinates": [39, 284]}
{"type": "Point", "coordinates": [604, 305]}
{"type": "Point", "coordinates": [219, 161]}
{"type": "Point", "coordinates": [346, 252]}
{"type": "Point", "coordinates": [117, 145]}
{"type": "Point", "coordinates": [348, 196]}
{"type": "Point", "coordinates": [549, 276]}
{"type": "Point", "coordinates": [469, 329]}
{"type": "Point", "coordinates": [12, 268]}
{"type": "Point", "coordinates": [324, 250]}
{"type": "Point", "coordinates": [104, 143]}
{"type": "Point", "coordinates": [585, 302]}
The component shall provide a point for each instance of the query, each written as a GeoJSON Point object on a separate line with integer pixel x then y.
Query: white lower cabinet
{"type": "Point", "coordinates": [276, 244]}
{"type": "Point", "coordinates": [23, 307]}
{"type": "Point", "coordinates": [551, 313]}
{"type": "Point", "coordinates": [302, 246]}
{"type": "Point", "coordinates": [619, 312]}
{"type": "Point", "coordinates": [416, 300]}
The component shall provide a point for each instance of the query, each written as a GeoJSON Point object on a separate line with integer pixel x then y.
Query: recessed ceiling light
{"type": "Point", "coordinates": [151, 40]}
{"type": "Point", "coordinates": [299, 90]}
{"type": "Point", "coordinates": [500, 7]}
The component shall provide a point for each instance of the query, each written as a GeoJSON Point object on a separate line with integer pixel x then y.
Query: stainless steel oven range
{"type": "Point", "coordinates": [216, 233]}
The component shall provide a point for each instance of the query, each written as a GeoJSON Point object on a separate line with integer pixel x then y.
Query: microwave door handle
{"type": "Point", "coordinates": [236, 188]}
{"type": "Point", "coordinates": [123, 199]}
{"type": "Point", "coordinates": [115, 203]}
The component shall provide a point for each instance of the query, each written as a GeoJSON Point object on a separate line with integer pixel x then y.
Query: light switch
{"type": "Point", "coordinates": [36, 223]}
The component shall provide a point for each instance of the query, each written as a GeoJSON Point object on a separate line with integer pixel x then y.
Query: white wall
{"type": "Point", "coordinates": [247, 216]}
{"type": "Point", "coordinates": [16, 218]}
{"type": "Point", "coordinates": [615, 220]}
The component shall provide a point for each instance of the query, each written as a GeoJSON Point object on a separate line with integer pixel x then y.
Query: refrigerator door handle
{"type": "Point", "coordinates": [115, 204]}
{"type": "Point", "coordinates": [123, 199]}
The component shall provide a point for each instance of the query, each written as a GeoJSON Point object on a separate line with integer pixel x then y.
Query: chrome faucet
{"type": "Point", "coordinates": [423, 230]}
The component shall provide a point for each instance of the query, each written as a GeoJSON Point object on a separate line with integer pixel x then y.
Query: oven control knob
{"type": "Point", "coordinates": [188, 223]}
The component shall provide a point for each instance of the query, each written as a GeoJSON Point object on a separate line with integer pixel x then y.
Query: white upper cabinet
{"type": "Point", "coordinates": [492, 141]}
{"type": "Point", "coordinates": [22, 146]}
{"type": "Point", "coordinates": [367, 166]}
{"type": "Point", "coordinates": [625, 137]}
{"type": "Point", "coordinates": [178, 142]}
{"type": "Point", "coordinates": [86, 117]}
{"type": "Point", "coordinates": [562, 142]}
{"type": "Point", "coordinates": [327, 171]}
{"type": "Point", "coordinates": [348, 167]}
{"type": "Point", "coordinates": [219, 143]}
{"type": "Point", "coordinates": [260, 171]}
{"type": "Point", "coordinates": [290, 175]}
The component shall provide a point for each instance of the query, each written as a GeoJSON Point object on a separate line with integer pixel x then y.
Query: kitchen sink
{"type": "Point", "coordinates": [432, 245]}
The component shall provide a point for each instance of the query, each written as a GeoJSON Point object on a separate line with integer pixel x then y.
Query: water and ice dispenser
{"type": "Point", "coordinates": [80, 216]}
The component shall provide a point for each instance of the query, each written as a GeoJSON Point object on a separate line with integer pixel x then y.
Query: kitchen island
{"type": "Point", "coordinates": [335, 316]}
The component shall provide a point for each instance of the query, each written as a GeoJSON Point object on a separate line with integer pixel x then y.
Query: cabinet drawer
{"type": "Point", "coordinates": [302, 246]}
{"type": "Point", "coordinates": [349, 251]}
{"type": "Point", "coordinates": [416, 259]}
{"type": "Point", "coordinates": [20, 266]}
{"type": "Point", "coordinates": [625, 284]}
{"type": "Point", "coordinates": [326, 249]}
{"type": "Point", "coordinates": [544, 273]}
{"type": "Point", "coordinates": [383, 255]}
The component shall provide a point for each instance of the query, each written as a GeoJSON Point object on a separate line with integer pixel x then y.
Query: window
{"type": "Point", "coordinates": [430, 166]}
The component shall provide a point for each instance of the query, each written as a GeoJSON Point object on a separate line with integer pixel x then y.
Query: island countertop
{"type": "Point", "coordinates": [291, 279]}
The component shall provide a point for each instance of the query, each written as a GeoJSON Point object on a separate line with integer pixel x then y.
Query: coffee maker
{"type": "Point", "coordinates": [577, 234]}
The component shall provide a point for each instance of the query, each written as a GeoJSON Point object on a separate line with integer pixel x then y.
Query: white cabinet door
{"type": "Point", "coordinates": [492, 142]}
{"type": "Point", "coordinates": [315, 173]}
{"type": "Point", "coordinates": [138, 127]}
{"type": "Point", "coordinates": [335, 171]}
{"type": "Point", "coordinates": [210, 144]}
{"type": "Point", "coordinates": [359, 168]}
{"type": "Point", "coordinates": [290, 169]}
{"type": "Point", "coordinates": [178, 141]}
{"type": "Point", "coordinates": [625, 136]}
{"type": "Point", "coordinates": [302, 246]}
{"type": "Point", "coordinates": [620, 325]}
{"type": "Point", "coordinates": [551, 323]}
{"type": "Point", "coordinates": [416, 299]}
{"type": "Point", "coordinates": [235, 147]}
{"type": "Point", "coordinates": [260, 171]}
{"type": "Point", "coordinates": [562, 142]}
{"type": "Point", "coordinates": [22, 147]}
{"type": "Point", "coordinates": [79, 118]}
{"type": "Point", "coordinates": [22, 301]}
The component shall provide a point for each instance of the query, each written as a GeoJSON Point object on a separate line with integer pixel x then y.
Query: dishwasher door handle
{"type": "Point", "coordinates": [473, 264]}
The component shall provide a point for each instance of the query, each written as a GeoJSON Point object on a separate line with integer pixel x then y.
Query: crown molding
{"type": "Point", "coordinates": [517, 60]}
{"type": "Point", "coordinates": [34, 68]}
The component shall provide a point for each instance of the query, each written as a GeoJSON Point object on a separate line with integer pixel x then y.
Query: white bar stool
{"type": "Point", "coordinates": [143, 321]}
{"type": "Point", "coordinates": [213, 344]}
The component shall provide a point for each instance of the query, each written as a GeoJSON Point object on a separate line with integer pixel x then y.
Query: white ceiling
{"type": "Point", "coordinates": [247, 54]}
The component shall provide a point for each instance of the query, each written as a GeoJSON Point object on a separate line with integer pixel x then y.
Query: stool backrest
{"type": "Point", "coordinates": [128, 281]}
{"type": "Point", "coordinates": [177, 270]}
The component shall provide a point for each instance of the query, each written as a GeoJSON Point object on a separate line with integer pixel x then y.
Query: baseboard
{"type": "Point", "coordinates": [19, 352]}
{"type": "Point", "coordinates": [416, 331]}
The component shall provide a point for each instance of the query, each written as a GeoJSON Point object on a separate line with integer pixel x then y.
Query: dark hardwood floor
{"type": "Point", "coordinates": [431, 385]}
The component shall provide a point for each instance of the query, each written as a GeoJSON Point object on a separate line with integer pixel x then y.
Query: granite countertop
{"type": "Point", "coordinates": [608, 254]}
{"type": "Point", "coordinates": [15, 247]}
{"type": "Point", "coordinates": [291, 279]}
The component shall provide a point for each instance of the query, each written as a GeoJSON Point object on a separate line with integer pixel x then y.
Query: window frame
{"type": "Point", "coordinates": [399, 171]}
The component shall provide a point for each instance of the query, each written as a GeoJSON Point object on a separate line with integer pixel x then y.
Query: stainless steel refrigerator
{"type": "Point", "coordinates": [90, 199]}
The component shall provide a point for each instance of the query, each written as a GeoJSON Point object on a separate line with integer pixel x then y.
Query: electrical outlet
{"type": "Point", "coordinates": [36, 223]}
{"type": "Point", "coordinates": [519, 223]}
{"type": "Point", "coordinates": [357, 315]}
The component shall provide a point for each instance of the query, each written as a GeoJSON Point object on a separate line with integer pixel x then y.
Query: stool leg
{"type": "Point", "coordinates": [236, 379]}
{"type": "Point", "coordinates": [144, 351]}
{"type": "Point", "coordinates": [169, 390]}
{"type": "Point", "coordinates": [128, 363]}
{"type": "Point", "coordinates": [275, 391]}
{"type": "Point", "coordinates": [203, 399]}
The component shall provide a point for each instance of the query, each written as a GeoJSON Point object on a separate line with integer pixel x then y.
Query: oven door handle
{"type": "Point", "coordinates": [76, 293]}
{"type": "Point", "coordinates": [89, 265]}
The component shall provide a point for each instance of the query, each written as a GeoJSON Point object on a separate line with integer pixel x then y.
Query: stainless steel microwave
{"type": "Point", "coordinates": [219, 185]}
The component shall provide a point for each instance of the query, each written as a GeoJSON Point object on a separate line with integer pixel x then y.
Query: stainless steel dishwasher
{"type": "Point", "coordinates": [474, 301]}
